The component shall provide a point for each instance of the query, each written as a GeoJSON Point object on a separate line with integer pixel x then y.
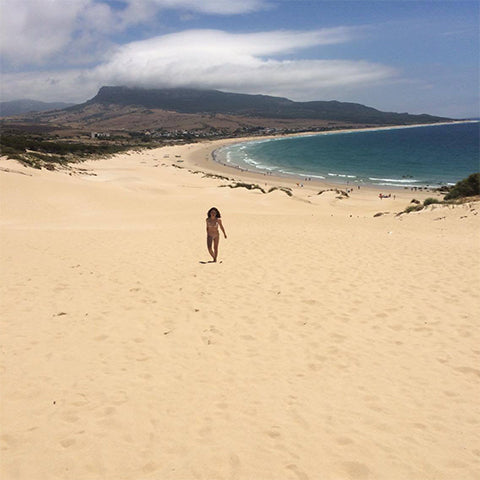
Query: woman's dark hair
{"type": "Point", "coordinates": [212, 210]}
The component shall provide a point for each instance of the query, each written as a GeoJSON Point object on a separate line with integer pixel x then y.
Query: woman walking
{"type": "Point", "coordinates": [213, 237]}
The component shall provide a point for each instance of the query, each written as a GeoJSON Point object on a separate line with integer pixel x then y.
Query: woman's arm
{"type": "Point", "coordinates": [221, 227]}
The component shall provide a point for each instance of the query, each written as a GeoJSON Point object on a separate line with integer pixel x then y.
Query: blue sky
{"type": "Point", "coordinates": [402, 56]}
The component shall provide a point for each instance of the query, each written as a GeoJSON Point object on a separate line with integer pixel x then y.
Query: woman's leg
{"type": "Point", "coordinates": [215, 247]}
{"type": "Point", "coordinates": [209, 246]}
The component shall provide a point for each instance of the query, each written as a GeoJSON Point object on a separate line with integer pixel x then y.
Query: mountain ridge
{"type": "Point", "coordinates": [176, 112]}
{"type": "Point", "coordinates": [27, 105]}
{"type": "Point", "coordinates": [193, 101]}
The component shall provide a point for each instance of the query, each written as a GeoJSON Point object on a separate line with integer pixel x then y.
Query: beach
{"type": "Point", "coordinates": [326, 342]}
{"type": "Point", "coordinates": [403, 156]}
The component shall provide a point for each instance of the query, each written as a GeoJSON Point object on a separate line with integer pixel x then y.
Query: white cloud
{"type": "Point", "coordinates": [211, 59]}
{"type": "Point", "coordinates": [142, 10]}
{"type": "Point", "coordinates": [235, 62]}
{"type": "Point", "coordinates": [215, 47]}
{"type": "Point", "coordinates": [32, 30]}
{"type": "Point", "coordinates": [35, 31]}
{"type": "Point", "coordinates": [74, 86]}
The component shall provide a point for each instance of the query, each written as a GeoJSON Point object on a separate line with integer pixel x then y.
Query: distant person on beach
{"type": "Point", "coordinates": [213, 237]}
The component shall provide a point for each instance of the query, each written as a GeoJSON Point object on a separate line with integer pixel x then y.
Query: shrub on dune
{"type": "Point", "coordinates": [468, 187]}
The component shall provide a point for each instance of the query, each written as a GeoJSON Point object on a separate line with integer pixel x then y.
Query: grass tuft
{"type": "Point", "coordinates": [287, 190]}
{"type": "Point", "coordinates": [248, 186]}
{"type": "Point", "coordinates": [431, 201]}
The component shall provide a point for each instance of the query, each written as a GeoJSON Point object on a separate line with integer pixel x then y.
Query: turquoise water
{"type": "Point", "coordinates": [430, 155]}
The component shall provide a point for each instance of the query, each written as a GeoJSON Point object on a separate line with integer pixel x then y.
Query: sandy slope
{"type": "Point", "coordinates": [326, 344]}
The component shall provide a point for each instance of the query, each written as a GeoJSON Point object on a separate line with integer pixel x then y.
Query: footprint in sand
{"type": "Point", "coordinates": [68, 442]}
{"type": "Point", "coordinates": [356, 470]}
{"type": "Point", "coordinates": [344, 441]}
{"type": "Point", "coordinates": [299, 473]}
{"type": "Point", "coordinates": [273, 433]}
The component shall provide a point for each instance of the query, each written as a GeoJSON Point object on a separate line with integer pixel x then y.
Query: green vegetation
{"type": "Point", "coordinates": [248, 186]}
{"type": "Point", "coordinates": [254, 186]}
{"type": "Point", "coordinates": [468, 187]}
{"type": "Point", "coordinates": [38, 152]}
{"type": "Point", "coordinates": [417, 205]}
{"type": "Point", "coordinates": [213, 175]}
{"type": "Point", "coordinates": [413, 208]}
{"type": "Point", "coordinates": [287, 190]}
{"type": "Point", "coordinates": [462, 191]}
{"type": "Point", "coordinates": [431, 201]}
{"type": "Point", "coordinates": [22, 143]}
{"type": "Point", "coordinates": [341, 193]}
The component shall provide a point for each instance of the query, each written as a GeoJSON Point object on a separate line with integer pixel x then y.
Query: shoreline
{"type": "Point", "coordinates": [323, 180]}
{"type": "Point", "coordinates": [197, 158]}
{"type": "Point", "coordinates": [206, 160]}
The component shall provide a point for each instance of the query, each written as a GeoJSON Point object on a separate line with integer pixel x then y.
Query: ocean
{"type": "Point", "coordinates": [420, 156]}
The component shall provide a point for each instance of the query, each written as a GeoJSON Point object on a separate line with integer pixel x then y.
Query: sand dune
{"type": "Point", "coordinates": [326, 343]}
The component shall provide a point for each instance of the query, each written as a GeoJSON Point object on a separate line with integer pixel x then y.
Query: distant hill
{"type": "Point", "coordinates": [124, 111]}
{"type": "Point", "coordinates": [17, 107]}
{"type": "Point", "coordinates": [191, 101]}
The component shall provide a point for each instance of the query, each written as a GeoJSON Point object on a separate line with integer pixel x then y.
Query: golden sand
{"type": "Point", "coordinates": [326, 343]}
